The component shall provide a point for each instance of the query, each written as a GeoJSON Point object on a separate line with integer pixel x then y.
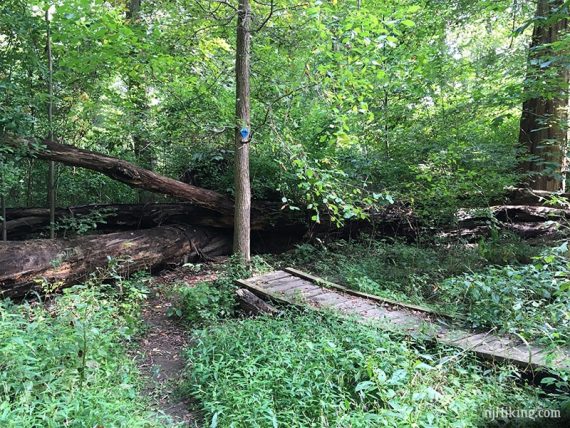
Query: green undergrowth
{"type": "Point", "coordinates": [402, 271]}
{"type": "Point", "coordinates": [65, 364]}
{"type": "Point", "coordinates": [209, 301]}
{"type": "Point", "coordinates": [531, 300]}
{"type": "Point", "coordinates": [503, 284]}
{"type": "Point", "coordinates": [311, 370]}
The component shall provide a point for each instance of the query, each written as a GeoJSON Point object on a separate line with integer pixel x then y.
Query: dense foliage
{"type": "Point", "coordinates": [66, 364]}
{"type": "Point", "coordinates": [354, 102]}
{"type": "Point", "coordinates": [531, 300]}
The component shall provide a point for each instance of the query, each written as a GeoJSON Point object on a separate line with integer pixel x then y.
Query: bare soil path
{"type": "Point", "coordinates": [160, 358]}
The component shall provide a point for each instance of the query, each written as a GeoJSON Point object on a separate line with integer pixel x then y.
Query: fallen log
{"type": "Point", "coordinates": [122, 171]}
{"type": "Point", "coordinates": [26, 223]}
{"type": "Point", "coordinates": [521, 219]}
{"type": "Point", "coordinates": [25, 226]}
{"type": "Point", "coordinates": [26, 265]}
{"type": "Point", "coordinates": [117, 217]}
{"type": "Point", "coordinates": [514, 214]}
{"type": "Point", "coordinates": [394, 220]}
{"type": "Point", "coordinates": [524, 196]}
{"type": "Point", "coordinates": [527, 222]}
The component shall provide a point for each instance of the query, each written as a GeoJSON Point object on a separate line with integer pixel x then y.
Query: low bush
{"type": "Point", "coordinates": [530, 300]}
{"type": "Point", "coordinates": [207, 302]}
{"type": "Point", "coordinates": [203, 303]}
{"type": "Point", "coordinates": [65, 364]}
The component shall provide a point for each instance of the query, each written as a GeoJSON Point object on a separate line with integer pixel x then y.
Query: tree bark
{"type": "Point", "coordinates": [24, 266]}
{"type": "Point", "coordinates": [4, 219]}
{"type": "Point", "coordinates": [134, 10]}
{"type": "Point", "coordinates": [22, 221]}
{"type": "Point", "coordinates": [525, 196]}
{"type": "Point", "coordinates": [25, 226]}
{"type": "Point", "coordinates": [242, 216]}
{"type": "Point", "coordinates": [543, 128]}
{"type": "Point", "coordinates": [125, 172]}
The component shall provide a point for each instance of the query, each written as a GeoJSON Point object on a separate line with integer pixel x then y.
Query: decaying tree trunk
{"type": "Point", "coordinates": [25, 265]}
{"type": "Point", "coordinates": [25, 221]}
{"type": "Point", "coordinates": [25, 226]}
{"type": "Point", "coordinates": [395, 220]}
{"type": "Point", "coordinates": [253, 305]}
{"type": "Point", "coordinates": [22, 221]}
{"type": "Point", "coordinates": [125, 172]}
{"type": "Point", "coordinates": [525, 196]}
{"type": "Point", "coordinates": [528, 222]}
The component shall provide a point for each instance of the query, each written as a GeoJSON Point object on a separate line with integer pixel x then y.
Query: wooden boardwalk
{"type": "Point", "coordinates": [296, 287]}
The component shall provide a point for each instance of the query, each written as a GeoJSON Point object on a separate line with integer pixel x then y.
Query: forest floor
{"type": "Point", "coordinates": [160, 354]}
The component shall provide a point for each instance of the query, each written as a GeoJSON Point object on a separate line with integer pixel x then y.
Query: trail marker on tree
{"type": "Point", "coordinates": [242, 226]}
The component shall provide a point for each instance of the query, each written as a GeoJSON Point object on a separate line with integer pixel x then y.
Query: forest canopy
{"type": "Point", "coordinates": [355, 104]}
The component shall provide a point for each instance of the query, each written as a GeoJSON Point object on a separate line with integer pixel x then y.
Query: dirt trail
{"type": "Point", "coordinates": [160, 356]}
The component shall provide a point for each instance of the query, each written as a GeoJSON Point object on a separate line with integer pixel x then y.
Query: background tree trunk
{"type": "Point", "coordinates": [241, 168]}
{"type": "Point", "coordinates": [52, 170]}
{"type": "Point", "coordinates": [4, 219]}
{"type": "Point", "coordinates": [543, 127]}
{"type": "Point", "coordinates": [137, 93]}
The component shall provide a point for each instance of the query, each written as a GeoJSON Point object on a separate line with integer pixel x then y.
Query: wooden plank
{"type": "Point", "coordinates": [262, 291]}
{"type": "Point", "coordinates": [314, 293]}
{"type": "Point", "coordinates": [306, 288]}
{"type": "Point", "coordinates": [376, 314]}
{"type": "Point", "coordinates": [328, 299]}
{"type": "Point", "coordinates": [279, 279]}
{"type": "Point", "coordinates": [272, 276]}
{"type": "Point", "coordinates": [293, 282]}
{"type": "Point", "coordinates": [291, 294]}
{"type": "Point", "coordinates": [354, 305]}
{"type": "Point", "coordinates": [474, 340]}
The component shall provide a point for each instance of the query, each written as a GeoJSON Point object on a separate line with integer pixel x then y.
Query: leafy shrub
{"type": "Point", "coordinates": [502, 248]}
{"type": "Point", "coordinates": [204, 303]}
{"type": "Point", "coordinates": [317, 371]}
{"type": "Point", "coordinates": [83, 223]}
{"type": "Point", "coordinates": [65, 364]}
{"type": "Point", "coordinates": [128, 294]}
{"type": "Point", "coordinates": [530, 300]}
{"type": "Point", "coordinates": [207, 302]}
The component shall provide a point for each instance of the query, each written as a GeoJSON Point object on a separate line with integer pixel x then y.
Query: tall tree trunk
{"type": "Point", "coordinates": [543, 128]}
{"type": "Point", "coordinates": [242, 227]}
{"type": "Point", "coordinates": [4, 219]}
{"type": "Point", "coordinates": [138, 96]}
